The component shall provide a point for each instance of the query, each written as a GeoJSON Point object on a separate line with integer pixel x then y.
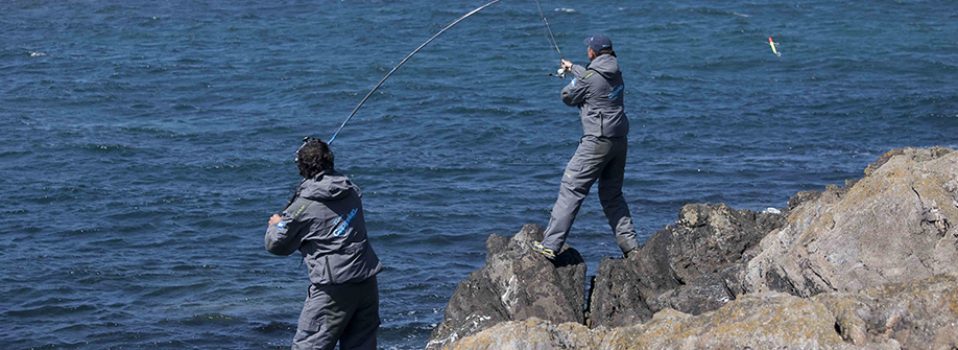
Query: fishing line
{"type": "Point", "coordinates": [434, 36]}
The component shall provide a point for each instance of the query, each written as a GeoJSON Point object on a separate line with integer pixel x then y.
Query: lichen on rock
{"type": "Point", "coordinates": [888, 227]}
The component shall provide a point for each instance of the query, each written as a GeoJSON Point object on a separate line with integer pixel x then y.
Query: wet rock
{"type": "Point", "coordinates": [692, 266]}
{"type": "Point", "coordinates": [896, 224]}
{"type": "Point", "coordinates": [515, 284]}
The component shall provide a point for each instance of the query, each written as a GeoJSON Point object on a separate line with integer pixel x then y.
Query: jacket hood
{"type": "Point", "coordinates": [607, 65]}
{"type": "Point", "coordinates": [326, 186]}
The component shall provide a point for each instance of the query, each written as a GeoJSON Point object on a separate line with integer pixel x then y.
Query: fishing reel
{"type": "Point", "coordinates": [565, 66]}
{"type": "Point", "coordinates": [560, 73]}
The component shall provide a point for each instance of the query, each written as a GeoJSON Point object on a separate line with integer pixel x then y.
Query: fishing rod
{"type": "Point", "coordinates": [552, 38]}
{"type": "Point", "coordinates": [401, 63]}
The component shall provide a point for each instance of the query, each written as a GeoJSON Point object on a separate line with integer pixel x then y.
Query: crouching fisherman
{"type": "Point", "coordinates": [324, 221]}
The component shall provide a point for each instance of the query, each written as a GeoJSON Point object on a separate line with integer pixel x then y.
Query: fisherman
{"type": "Point", "coordinates": [324, 221]}
{"type": "Point", "coordinates": [597, 90]}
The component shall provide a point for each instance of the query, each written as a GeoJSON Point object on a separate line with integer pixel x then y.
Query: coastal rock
{"type": "Point", "coordinates": [693, 266]}
{"type": "Point", "coordinates": [532, 334]}
{"type": "Point", "coordinates": [898, 223]}
{"type": "Point", "coordinates": [784, 321]}
{"type": "Point", "coordinates": [869, 265]}
{"type": "Point", "coordinates": [921, 314]}
{"type": "Point", "coordinates": [515, 284]}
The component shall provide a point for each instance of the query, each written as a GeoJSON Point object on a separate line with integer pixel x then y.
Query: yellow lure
{"type": "Point", "coordinates": [774, 47]}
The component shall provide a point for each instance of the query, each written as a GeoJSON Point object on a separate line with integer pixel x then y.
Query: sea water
{"type": "Point", "coordinates": [145, 143]}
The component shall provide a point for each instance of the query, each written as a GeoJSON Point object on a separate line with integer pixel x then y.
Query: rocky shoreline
{"type": "Point", "coordinates": [870, 265]}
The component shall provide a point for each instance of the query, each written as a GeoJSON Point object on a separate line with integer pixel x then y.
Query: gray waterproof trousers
{"type": "Point", "coordinates": [596, 158]}
{"type": "Point", "coordinates": [344, 313]}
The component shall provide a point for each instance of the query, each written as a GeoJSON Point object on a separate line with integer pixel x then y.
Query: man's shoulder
{"type": "Point", "coordinates": [298, 207]}
{"type": "Point", "coordinates": [589, 74]}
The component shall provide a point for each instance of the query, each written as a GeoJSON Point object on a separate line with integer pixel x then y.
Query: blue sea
{"type": "Point", "coordinates": [145, 143]}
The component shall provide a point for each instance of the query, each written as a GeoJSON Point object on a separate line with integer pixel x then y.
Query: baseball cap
{"type": "Point", "coordinates": [598, 42]}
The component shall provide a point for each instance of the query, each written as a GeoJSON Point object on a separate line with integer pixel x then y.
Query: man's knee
{"type": "Point", "coordinates": [306, 339]}
{"type": "Point", "coordinates": [575, 186]}
{"type": "Point", "coordinates": [610, 195]}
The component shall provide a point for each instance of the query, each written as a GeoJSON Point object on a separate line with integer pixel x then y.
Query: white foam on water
{"type": "Point", "coordinates": [37, 54]}
{"type": "Point", "coordinates": [565, 9]}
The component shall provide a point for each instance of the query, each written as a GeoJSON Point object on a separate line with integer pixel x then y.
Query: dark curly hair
{"type": "Point", "coordinates": [314, 157]}
{"type": "Point", "coordinates": [608, 51]}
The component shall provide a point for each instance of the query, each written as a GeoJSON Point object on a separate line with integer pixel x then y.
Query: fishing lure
{"type": "Point", "coordinates": [774, 47]}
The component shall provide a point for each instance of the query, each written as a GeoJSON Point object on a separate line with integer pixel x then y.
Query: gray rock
{"type": "Point", "coordinates": [692, 266]}
{"type": "Point", "coordinates": [896, 224]}
{"type": "Point", "coordinates": [515, 284]}
{"type": "Point", "coordinates": [922, 314]}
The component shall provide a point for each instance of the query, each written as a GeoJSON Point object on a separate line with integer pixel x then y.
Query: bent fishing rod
{"type": "Point", "coordinates": [552, 39]}
{"type": "Point", "coordinates": [383, 80]}
{"type": "Point", "coordinates": [401, 63]}
{"type": "Point", "coordinates": [414, 52]}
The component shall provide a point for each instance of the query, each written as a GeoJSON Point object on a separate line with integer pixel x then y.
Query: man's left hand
{"type": "Point", "coordinates": [275, 219]}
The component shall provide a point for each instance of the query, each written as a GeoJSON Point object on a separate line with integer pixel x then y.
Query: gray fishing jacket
{"type": "Point", "coordinates": [598, 90]}
{"type": "Point", "coordinates": [325, 223]}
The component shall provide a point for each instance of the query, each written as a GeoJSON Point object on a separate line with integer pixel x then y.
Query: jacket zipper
{"type": "Point", "coordinates": [329, 272]}
{"type": "Point", "coordinates": [601, 125]}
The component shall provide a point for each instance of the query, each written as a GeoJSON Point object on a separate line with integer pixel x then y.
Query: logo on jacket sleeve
{"type": "Point", "coordinates": [344, 222]}
{"type": "Point", "coordinates": [616, 92]}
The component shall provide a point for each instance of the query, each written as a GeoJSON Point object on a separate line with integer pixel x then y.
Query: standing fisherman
{"type": "Point", "coordinates": [598, 92]}
{"type": "Point", "coordinates": [325, 222]}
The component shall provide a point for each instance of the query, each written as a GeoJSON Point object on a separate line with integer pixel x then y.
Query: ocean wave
{"type": "Point", "coordinates": [108, 148]}
{"type": "Point", "coordinates": [212, 318]}
{"type": "Point", "coordinates": [45, 309]}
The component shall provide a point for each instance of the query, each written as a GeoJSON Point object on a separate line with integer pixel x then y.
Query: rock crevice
{"type": "Point", "coordinates": [693, 266]}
